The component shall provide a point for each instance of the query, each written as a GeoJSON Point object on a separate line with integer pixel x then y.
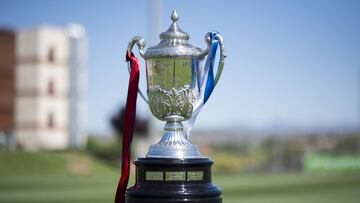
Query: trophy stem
{"type": "Point", "coordinates": [174, 144]}
{"type": "Point", "coordinates": [174, 134]}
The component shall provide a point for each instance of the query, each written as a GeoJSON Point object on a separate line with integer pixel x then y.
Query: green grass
{"type": "Point", "coordinates": [48, 177]}
{"type": "Point", "coordinates": [289, 188]}
{"type": "Point", "coordinates": [55, 177]}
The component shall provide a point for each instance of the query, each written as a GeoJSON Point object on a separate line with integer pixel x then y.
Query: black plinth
{"type": "Point", "coordinates": [161, 180]}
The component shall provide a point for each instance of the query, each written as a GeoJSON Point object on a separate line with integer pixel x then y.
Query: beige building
{"type": "Point", "coordinates": [42, 78]}
{"type": "Point", "coordinates": [42, 88]}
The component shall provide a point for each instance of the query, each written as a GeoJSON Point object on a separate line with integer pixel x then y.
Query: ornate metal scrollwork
{"type": "Point", "coordinates": [174, 102]}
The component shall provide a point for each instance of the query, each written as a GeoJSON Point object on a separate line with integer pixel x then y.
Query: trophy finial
{"type": "Point", "coordinates": [174, 16]}
{"type": "Point", "coordinates": [173, 35]}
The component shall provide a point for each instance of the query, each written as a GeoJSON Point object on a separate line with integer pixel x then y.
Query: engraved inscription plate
{"type": "Point", "coordinates": [195, 176]}
{"type": "Point", "coordinates": [155, 175]}
{"type": "Point", "coordinates": [175, 176]}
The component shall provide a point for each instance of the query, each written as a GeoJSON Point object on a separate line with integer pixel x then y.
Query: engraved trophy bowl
{"type": "Point", "coordinates": [172, 72]}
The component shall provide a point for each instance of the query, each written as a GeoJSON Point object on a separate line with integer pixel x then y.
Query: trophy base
{"type": "Point", "coordinates": [164, 180]}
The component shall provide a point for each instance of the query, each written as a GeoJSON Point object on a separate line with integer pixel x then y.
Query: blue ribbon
{"type": "Point", "coordinates": [209, 86]}
{"type": "Point", "coordinates": [206, 76]}
{"type": "Point", "coordinates": [193, 70]}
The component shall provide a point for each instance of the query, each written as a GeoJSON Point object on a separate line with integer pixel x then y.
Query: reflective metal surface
{"type": "Point", "coordinates": [173, 144]}
{"type": "Point", "coordinates": [173, 43]}
{"type": "Point", "coordinates": [174, 104]}
{"type": "Point", "coordinates": [172, 86]}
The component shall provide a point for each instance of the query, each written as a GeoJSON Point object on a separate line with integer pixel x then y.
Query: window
{"type": "Point", "coordinates": [50, 120]}
{"type": "Point", "coordinates": [51, 55]}
{"type": "Point", "coordinates": [51, 87]}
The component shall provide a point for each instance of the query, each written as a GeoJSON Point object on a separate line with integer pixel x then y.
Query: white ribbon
{"type": "Point", "coordinates": [205, 83]}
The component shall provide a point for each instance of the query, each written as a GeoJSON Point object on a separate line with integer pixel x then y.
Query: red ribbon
{"type": "Point", "coordinates": [128, 131]}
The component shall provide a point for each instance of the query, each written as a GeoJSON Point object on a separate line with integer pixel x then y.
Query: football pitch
{"type": "Point", "coordinates": [23, 184]}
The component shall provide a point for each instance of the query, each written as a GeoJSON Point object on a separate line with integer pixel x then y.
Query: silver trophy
{"type": "Point", "coordinates": [172, 87]}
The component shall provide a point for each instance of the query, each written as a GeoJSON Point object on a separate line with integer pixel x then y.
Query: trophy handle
{"type": "Point", "coordinates": [222, 54]}
{"type": "Point", "coordinates": [140, 43]}
{"type": "Point", "coordinates": [222, 58]}
{"type": "Point", "coordinates": [198, 105]}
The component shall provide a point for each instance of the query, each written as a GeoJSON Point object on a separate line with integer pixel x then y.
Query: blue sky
{"type": "Point", "coordinates": [290, 63]}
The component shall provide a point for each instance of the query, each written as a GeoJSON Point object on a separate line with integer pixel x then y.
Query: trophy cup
{"type": "Point", "coordinates": [173, 169]}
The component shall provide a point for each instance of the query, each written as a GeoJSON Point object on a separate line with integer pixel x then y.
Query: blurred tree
{"type": "Point", "coordinates": [117, 123]}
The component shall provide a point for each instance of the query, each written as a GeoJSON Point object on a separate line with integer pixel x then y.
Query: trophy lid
{"type": "Point", "coordinates": [173, 43]}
